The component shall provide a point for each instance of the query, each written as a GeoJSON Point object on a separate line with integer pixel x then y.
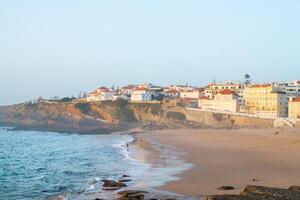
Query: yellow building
{"type": "Point", "coordinates": [265, 100]}
{"type": "Point", "coordinates": [294, 108]}
{"type": "Point", "coordinates": [226, 100]}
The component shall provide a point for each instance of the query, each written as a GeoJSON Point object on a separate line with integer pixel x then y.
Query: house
{"type": "Point", "coordinates": [193, 93]}
{"type": "Point", "coordinates": [100, 94]}
{"type": "Point", "coordinates": [265, 100]}
{"type": "Point", "coordinates": [211, 90]}
{"type": "Point", "coordinates": [127, 90]}
{"type": "Point", "coordinates": [156, 91]}
{"type": "Point", "coordinates": [225, 100]}
{"type": "Point", "coordinates": [141, 94]}
{"type": "Point", "coordinates": [292, 89]}
{"type": "Point", "coordinates": [294, 108]}
{"type": "Point", "coordinates": [172, 93]}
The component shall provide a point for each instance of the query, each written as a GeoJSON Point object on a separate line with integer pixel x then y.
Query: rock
{"type": "Point", "coordinates": [226, 187]}
{"type": "Point", "coordinates": [254, 180]}
{"type": "Point", "coordinates": [252, 192]}
{"type": "Point", "coordinates": [226, 197]}
{"type": "Point", "coordinates": [112, 185]}
{"type": "Point", "coordinates": [294, 188]}
{"type": "Point", "coordinates": [132, 195]}
{"type": "Point", "coordinates": [260, 192]}
{"type": "Point", "coordinates": [124, 180]}
{"type": "Point", "coordinates": [130, 192]}
{"type": "Point", "coordinates": [125, 176]}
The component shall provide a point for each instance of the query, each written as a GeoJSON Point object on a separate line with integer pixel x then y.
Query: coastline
{"type": "Point", "coordinates": [236, 157]}
{"type": "Point", "coordinates": [193, 163]}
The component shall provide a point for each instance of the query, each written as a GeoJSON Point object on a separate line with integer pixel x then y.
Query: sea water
{"type": "Point", "coordinates": [37, 165]}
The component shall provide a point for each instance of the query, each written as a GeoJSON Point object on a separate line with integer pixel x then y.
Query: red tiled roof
{"type": "Point", "coordinates": [104, 89]}
{"type": "Point", "coordinates": [128, 87]}
{"type": "Point", "coordinates": [141, 89]}
{"type": "Point", "coordinates": [297, 99]}
{"type": "Point", "coordinates": [226, 92]}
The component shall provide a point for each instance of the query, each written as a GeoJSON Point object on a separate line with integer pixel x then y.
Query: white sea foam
{"type": "Point", "coordinates": [122, 146]}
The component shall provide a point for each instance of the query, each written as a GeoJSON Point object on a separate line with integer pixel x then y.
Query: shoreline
{"type": "Point", "coordinates": [236, 157]}
{"type": "Point", "coordinates": [210, 158]}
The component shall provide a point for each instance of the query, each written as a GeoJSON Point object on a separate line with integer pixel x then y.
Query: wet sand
{"type": "Point", "coordinates": [271, 157]}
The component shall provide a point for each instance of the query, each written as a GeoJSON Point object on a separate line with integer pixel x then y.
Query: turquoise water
{"type": "Point", "coordinates": [36, 165]}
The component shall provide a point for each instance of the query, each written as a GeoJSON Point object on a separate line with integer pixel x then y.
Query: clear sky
{"type": "Point", "coordinates": [59, 47]}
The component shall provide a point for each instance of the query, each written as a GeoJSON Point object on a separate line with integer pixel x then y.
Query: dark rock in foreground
{"type": "Point", "coordinates": [112, 185]}
{"type": "Point", "coordinates": [226, 188]}
{"type": "Point", "coordinates": [252, 192]}
{"type": "Point", "coordinates": [132, 195]}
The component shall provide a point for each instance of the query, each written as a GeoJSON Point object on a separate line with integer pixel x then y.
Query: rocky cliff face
{"type": "Point", "coordinates": [107, 116]}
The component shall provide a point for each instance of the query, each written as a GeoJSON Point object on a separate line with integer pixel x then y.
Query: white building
{"type": "Point", "coordinates": [100, 94]}
{"type": "Point", "coordinates": [172, 93]}
{"type": "Point", "coordinates": [292, 89]}
{"type": "Point", "coordinates": [141, 94]}
{"type": "Point", "coordinates": [194, 93]}
{"type": "Point", "coordinates": [225, 100]}
{"type": "Point", "coordinates": [127, 90]}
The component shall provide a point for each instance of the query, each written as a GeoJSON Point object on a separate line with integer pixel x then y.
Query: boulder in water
{"type": "Point", "coordinates": [112, 185]}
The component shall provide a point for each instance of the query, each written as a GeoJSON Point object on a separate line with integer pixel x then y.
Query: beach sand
{"type": "Point", "coordinates": [231, 157]}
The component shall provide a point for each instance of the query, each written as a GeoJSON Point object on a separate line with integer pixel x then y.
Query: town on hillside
{"type": "Point", "coordinates": [266, 100]}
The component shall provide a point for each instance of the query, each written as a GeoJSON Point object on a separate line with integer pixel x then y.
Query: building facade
{"type": "Point", "coordinates": [100, 94]}
{"type": "Point", "coordinates": [292, 89]}
{"type": "Point", "coordinates": [172, 93]}
{"type": "Point", "coordinates": [211, 90]}
{"type": "Point", "coordinates": [194, 93]}
{"type": "Point", "coordinates": [226, 100]}
{"type": "Point", "coordinates": [294, 108]}
{"type": "Point", "coordinates": [141, 94]}
{"type": "Point", "coordinates": [265, 100]}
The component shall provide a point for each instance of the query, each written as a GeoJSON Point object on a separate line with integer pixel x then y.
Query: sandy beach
{"type": "Point", "coordinates": [268, 157]}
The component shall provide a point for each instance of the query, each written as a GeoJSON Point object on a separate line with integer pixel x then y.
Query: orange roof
{"type": "Point", "coordinates": [104, 89]}
{"type": "Point", "coordinates": [141, 89]}
{"type": "Point", "coordinates": [297, 99]}
{"type": "Point", "coordinates": [128, 87]}
{"type": "Point", "coordinates": [226, 92]}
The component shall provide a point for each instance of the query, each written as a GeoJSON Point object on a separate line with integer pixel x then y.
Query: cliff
{"type": "Point", "coordinates": [107, 116]}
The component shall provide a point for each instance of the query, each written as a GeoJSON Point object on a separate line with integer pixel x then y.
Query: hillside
{"type": "Point", "coordinates": [107, 116]}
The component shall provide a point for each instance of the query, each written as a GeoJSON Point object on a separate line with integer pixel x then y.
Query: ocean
{"type": "Point", "coordinates": [38, 165]}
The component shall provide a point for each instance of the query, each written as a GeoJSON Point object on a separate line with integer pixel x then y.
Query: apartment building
{"type": "Point", "coordinates": [265, 100]}
{"type": "Point", "coordinates": [294, 108]}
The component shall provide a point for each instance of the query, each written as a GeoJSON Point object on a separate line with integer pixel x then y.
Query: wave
{"type": "Point", "coordinates": [123, 148]}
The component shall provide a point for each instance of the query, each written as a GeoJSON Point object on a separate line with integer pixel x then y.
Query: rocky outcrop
{"type": "Point", "coordinates": [132, 195]}
{"type": "Point", "coordinates": [107, 116]}
{"type": "Point", "coordinates": [252, 192]}
{"type": "Point", "coordinates": [112, 185]}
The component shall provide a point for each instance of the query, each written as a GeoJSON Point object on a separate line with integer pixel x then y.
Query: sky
{"type": "Point", "coordinates": [61, 47]}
